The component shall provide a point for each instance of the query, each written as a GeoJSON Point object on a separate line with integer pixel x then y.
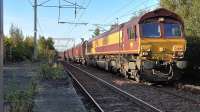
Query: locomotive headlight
{"type": "Point", "coordinates": [146, 48]}
{"type": "Point", "coordinates": [161, 19]}
{"type": "Point", "coordinates": [178, 54]}
{"type": "Point", "coordinates": [145, 53]}
{"type": "Point", "coordinates": [161, 49]}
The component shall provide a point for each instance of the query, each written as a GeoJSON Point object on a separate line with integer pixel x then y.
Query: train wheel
{"type": "Point", "coordinates": [137, 76]}
{"type": "Point", "coordinates": [83, 62]}
{"type": "Point", "coordinates": [124, 73]}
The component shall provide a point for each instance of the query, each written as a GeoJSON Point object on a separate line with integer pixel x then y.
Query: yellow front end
{"type": "Point", "coordinates": [162, 49]}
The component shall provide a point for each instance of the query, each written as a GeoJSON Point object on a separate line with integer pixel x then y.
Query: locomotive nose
{"type": "Point", "coordinates": [163, 49]}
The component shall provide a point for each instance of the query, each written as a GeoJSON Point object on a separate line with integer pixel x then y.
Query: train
{"type": "Point", "coordinates": [149, 47]}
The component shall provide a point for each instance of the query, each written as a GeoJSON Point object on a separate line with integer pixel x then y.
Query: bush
{"type": "Point", "coordinates": [55, 72]}
{"type": "Point", "coordinates": [193, 51]}
{"type": "Point", "coordinates": [21, 100]}
{"type": "Point", "coordinates": [192, 55]}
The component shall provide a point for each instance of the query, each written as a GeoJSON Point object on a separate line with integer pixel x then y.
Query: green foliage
{"type": "Point", "coordinates": [21, 100]}
{"type": "Point", "coordinates": [29, 47]}
{"type": "Point", "coordinates": [46, 49]}
{"type": "Point", "coordinates": [45, 46]}
{"type": "Point", "coordinates": [55, 72]}
{"type": "Point", "coordinates": [16, 34]}
{"type": "Point", "coordinates": [96, 32]}
{"type": "Point", "coordinates": [17, 48]}
{"type": "Point", "coordinates": [50, 43]}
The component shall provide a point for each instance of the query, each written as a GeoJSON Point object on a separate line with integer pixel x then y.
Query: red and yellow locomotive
{"type": "Point", "coordinates": [149, 47]}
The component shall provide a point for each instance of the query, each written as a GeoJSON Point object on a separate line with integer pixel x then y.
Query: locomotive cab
{"type": "Point", "coordinates": [162, 45]}
{"type": "Point", "coordinates": [162, 40]}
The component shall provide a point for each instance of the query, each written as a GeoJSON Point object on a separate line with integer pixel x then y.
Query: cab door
{"type": "Point", "coordinates": [130, 38]}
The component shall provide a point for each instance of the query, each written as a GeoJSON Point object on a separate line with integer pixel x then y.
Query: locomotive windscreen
{"type": "Point", "coordinates": [167, 28]}
{"type": "Point", "coordinates": [151, 30]}
{"type": "Point", "coordinates": [172, 30]}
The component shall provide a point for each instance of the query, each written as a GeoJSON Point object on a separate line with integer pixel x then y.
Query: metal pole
{"type": "Point", "coordinates": [35, 30]}
{"type": "Point", "coordinates": [118, 27]}
{"type": "Point", "coordinates": [1, 56]}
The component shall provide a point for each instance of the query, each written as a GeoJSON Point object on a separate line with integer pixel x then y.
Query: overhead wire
{"type": "Point", "coordinates": [73, 3]}
{"type": "Point", "coordinates": [40, 27]}
{"type": "Point", "coordinates": [84, 10]}
{"type": "Point", "coordinates": [30, 2]}
{"type": "Point", "coordinates": [137, 11]}
{"type": "Point", "coordinates": [72, 28]}
{"type": "Point", "coordinates": [120, 9]}
{"type": "Point", "coordinates": [131, 12]}
{"type": "Point", "coordinates": [44, 2]}
{"type": "Point", "coordinates": [133, 5]}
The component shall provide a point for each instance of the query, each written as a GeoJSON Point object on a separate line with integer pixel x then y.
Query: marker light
{"type": "Point", "coordinates": [161, 19]}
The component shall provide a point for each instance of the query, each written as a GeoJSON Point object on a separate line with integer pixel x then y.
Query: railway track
{"type": "Point", "coordinates": [105, 96]}
{"type": "Point", "coordinates": [167, 91]}
{"type": "Point", "coordinates": [164, 98]}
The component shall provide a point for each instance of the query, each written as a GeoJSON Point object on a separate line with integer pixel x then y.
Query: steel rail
{"type": "Point", "coordinates": [120, 90]}
{"type": "Point", "coordinates": [86, 92]}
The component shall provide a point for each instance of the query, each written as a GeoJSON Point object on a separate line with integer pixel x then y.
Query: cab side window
{"type": "Point", "coordinates": [131, 31]}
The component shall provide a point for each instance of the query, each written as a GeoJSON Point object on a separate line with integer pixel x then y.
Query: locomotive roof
{"type": "Point", "coordinates": [79, 44]}
{"type": "Point", "coordinates": [160, 12]}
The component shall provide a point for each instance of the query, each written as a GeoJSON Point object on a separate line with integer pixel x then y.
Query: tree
{"type": "Point", "coordinates": [50, 43]}
{"type": "Point", "coordinates": [29, 47]}
{"type": "Point", "coordinates": [193, 21]}
{"type": "Point", "coordinates": [17, 48]}
{"type": "Point", "coordinates": [14, 46]}
{"type": "Point", "coordinates": [96, 32]}
{"type": "Point", "coordinates": [169, 4]}
{"type": "Point", "coordinates": [189, 11]}
{"type": "Point", "coordinates": [7, 48]}
{"type": "Point", "coordinates": [29, 41]}
{"type": "Point", "coordinates": [45, 45]}
{"type": "Point", "coordinates": [41, 45]}
{"type": "Point", "coordinates": [16, 34]}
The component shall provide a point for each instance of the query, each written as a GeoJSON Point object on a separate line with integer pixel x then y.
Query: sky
{"type": "Point", "coordinates": [104, 12]}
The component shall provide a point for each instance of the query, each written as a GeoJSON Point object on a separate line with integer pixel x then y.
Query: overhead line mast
{"type": "Point", "coordinates": [1, 56]}
{"type": "Point", "coordinates": [36, 5]}
{"type": "Point", "coordinates": [35, 54]}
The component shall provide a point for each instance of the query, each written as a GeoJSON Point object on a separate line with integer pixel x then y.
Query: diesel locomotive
{"type": "Point", "coordinates": [149, 47]}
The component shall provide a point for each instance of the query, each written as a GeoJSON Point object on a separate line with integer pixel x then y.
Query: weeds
{"type": "Point", "coordinates": [21, 100]}
{"type": "Point", "coordinates": [55, 72]}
